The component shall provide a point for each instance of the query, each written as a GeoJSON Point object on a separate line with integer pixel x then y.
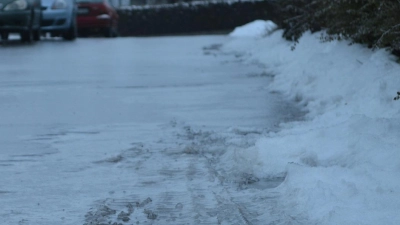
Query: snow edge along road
{"type": "Point", "coordinates": [340, 162]}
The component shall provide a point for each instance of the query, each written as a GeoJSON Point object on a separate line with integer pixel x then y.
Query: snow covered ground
{"type": "Point", "coordinates": [342, 162]}
{"type": "Point", "coordinates": [191, 136]}
{"type": "Point", "coordinates": [134, 134]}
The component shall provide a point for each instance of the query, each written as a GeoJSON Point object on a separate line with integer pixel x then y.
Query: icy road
{"type": "Point", "coordinates": [133, 131]}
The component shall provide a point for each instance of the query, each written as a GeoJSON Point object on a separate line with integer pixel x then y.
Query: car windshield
{"type": "Point", "coordinates": [89, 1]}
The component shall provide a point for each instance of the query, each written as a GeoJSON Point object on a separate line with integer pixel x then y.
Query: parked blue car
{"type": "Point", "coordinates": [59, 18]}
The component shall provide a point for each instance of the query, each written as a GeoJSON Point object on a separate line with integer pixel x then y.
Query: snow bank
{"type": "Point", "coordinates": [255, 29]}
{"type": "Point", "coordinates": [342, 163]}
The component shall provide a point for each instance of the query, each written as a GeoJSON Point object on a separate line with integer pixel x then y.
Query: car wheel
{"type": "Point", "coordinates": [27, 36]}
{"type": "Point", "coordinates": [110, 32]}
{"type": "Point", "coordinates": [4, 36]}
{"type": "Point", "coordinates": [71, 33]}
{"type": "Point", "coordinates": [115, 33]}
{"type": "Point", "coordinates": [36, 35]}
{"type": "Point", "coordinates": [37, 32]}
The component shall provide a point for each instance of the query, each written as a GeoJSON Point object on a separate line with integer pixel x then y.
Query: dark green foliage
{"type": "Point", "coordinates": [192, 18]}
{"type": "Point", "coordinates": [375, 23]}
{"type": "Point", "coordinates": [299, 16]}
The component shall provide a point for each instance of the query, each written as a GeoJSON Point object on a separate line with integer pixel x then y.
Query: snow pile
{"type": "Point", "coordinates": [255, 29]}
{"type": "Point", "coordinates": [342, 163]}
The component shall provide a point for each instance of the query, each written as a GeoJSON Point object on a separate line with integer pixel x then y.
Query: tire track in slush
{"type": "Point", "coordinates": [179, 182]}
{"type": "Point", "coordinates": [208, 198]}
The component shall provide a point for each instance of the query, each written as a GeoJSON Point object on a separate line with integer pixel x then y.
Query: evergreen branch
{"type": "Point", "coordinates": [379, 41]}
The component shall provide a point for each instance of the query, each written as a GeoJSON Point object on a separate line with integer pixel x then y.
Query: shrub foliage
{"type": "Point", "coordinates": [372, 22]}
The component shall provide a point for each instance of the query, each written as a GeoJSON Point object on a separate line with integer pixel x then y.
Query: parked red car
{"type": "Point", "coordinates": [97, 17]}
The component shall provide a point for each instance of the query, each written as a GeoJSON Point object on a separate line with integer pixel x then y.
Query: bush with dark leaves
{"type": "Point", "coordinates": [370, 22]}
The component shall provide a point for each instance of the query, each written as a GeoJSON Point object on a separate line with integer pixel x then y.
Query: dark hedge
{"type": "Point", "coordinates": [370, 22]}
{"type": "Point", "coordinates": [189, 18]}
